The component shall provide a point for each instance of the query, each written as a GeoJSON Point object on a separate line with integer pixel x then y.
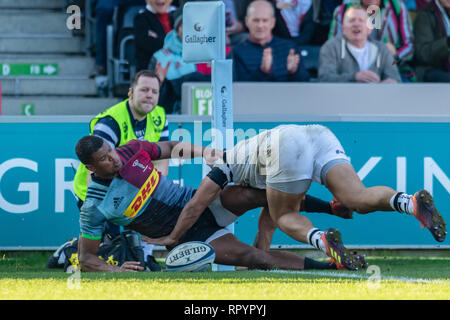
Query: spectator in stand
{"type": "Point", "coordinates": [265, 57]}
{"type": "Point", "coordinates": [150, 28]}
{"type": "Point", "coordinates": [307, 22]}
{"type": "Point", "coordinates": [353, 57]}
{"type": "Point", "coordinates": [104, 10]}
{"type": "Point", "coordinates": [172, 70]}
{"type": "Point", "coordinates": [432, 40]}
{"type": "Point", "coordinates": [394, 29]}
{"type": "Point", "coordinates": [235, 29]}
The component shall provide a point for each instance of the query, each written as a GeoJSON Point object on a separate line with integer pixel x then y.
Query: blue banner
{"type": "Point", "coordinates": [37, 165]}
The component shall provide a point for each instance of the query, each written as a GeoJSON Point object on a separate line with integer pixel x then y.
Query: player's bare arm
{"type": "Point", "coordinates": [87, 253]}
{"type": "Point", "coordinates": [206, 193]}
{"type": "Point", "coordinates": [186, 150]}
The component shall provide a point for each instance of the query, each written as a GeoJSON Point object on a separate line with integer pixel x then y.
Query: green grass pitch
{"type": "Point", "coordinates": [24, 276]}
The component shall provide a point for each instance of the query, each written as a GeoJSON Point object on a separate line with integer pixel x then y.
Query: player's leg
{"type": "Point", "coordinates": [266, 228]}
{"type": "Point", "coordinates": [345, 185]}
{"type": "Point", "coordinates": [283, 210]}
{"type": "Point", "coordinates": [239, 199]}
{"type": "Point", "coordinates": [230, 251]}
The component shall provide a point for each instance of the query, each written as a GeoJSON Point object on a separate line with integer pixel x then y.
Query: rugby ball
{"type": "Point", "coordinates": [193, 256]}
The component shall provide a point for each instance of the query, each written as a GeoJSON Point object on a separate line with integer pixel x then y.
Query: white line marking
{"type": "Point", "coordinates": [337, 274]}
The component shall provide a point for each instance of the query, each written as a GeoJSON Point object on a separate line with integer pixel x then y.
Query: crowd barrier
{"type": "Point", "coordinates": [405, 102]}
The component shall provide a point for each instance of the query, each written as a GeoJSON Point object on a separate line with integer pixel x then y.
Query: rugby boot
{"type": "Point", "coordinates": [341, 256]}
{"type": "Point", "coordinates": [332, 264]}
{"type": "Point", "coordinates": [339, 210]}
{"type": "Point", "coordinates": [429, 217]}
{"type": "Point", "coordinates": [359, 257]}
{"type": "Point", "coordinates": [56, 260]}
{"type": "Point", "coordinates": [362, 260]}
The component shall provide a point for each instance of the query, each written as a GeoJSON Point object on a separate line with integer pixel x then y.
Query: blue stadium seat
{"type": "Point", "coordinates": [120, 43]}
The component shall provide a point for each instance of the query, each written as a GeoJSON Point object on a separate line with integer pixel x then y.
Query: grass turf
{"type": "Point", "coordinates": [24, 276]}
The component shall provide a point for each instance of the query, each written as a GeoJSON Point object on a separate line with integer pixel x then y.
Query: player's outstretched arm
{"type": "Point", "coordinates": [87, 253]}
{"type": "Point", "coordinates": [206, 193]}
{"type": "Point", "coordinates": [186, 150]}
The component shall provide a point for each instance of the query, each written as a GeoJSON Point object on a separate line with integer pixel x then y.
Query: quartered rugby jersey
{"type": "Point", "coordinates": [139, 189]}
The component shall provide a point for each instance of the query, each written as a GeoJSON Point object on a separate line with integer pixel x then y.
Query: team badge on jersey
{"type": "Point", "coordinates": [157, 121]}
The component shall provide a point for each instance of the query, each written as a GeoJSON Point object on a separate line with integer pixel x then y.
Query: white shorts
{"type": "Point", "coordinates": [304, 153]}
{"type": "Point", "coordinates": [223, 216]}
{"type": "Point", "coordinates": [287, 158]}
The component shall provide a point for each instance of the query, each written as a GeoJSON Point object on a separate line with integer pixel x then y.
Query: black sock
{"type": "Point", "coordinates": [313, 204]}
{"type": "Point", "coordinates": [313, 264]}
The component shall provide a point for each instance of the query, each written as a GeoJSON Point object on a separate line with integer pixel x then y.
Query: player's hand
{"type": "Point", "coordinates": [131, 266]}
{"type": "Point", "coordinates": [267, 60]}
{"type": "Point", "coordinates": [162, 241]}
{"type": "Point", "coordinates": [367, 76]}
{"type": "Point", "coordinates": [293, 61]}
{"type": "Point", "coordinates": [212, 155]}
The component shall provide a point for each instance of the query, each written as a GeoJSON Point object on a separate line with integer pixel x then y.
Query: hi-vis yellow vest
{"type": "Point", "coordinates": [119, 112]}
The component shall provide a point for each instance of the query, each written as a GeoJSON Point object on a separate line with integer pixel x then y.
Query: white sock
{"type": "Point", "coordinates": [402, 202]}
{"type": "Point", "coordinates": [314, 239]}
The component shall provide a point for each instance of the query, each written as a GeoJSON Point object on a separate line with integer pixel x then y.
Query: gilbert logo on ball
{"type": "Point", "coordinates": [190, 257]}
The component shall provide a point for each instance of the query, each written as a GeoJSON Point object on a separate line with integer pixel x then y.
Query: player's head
{"type": "Point", "coordinates": [354, 27]}
{"type": "Point", "coordinates": [98, 156]}
{"type": "Point", "coordinates": [260, 21]}
{"type": "Point", "coordinates": [143, 93]}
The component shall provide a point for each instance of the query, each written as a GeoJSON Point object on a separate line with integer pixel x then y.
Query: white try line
{"type": "Point", "coordinates": [338, 274]}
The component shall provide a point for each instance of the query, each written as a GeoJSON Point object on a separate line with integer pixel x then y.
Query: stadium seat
{"type": "Point", "coordinates": [120, 48]}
